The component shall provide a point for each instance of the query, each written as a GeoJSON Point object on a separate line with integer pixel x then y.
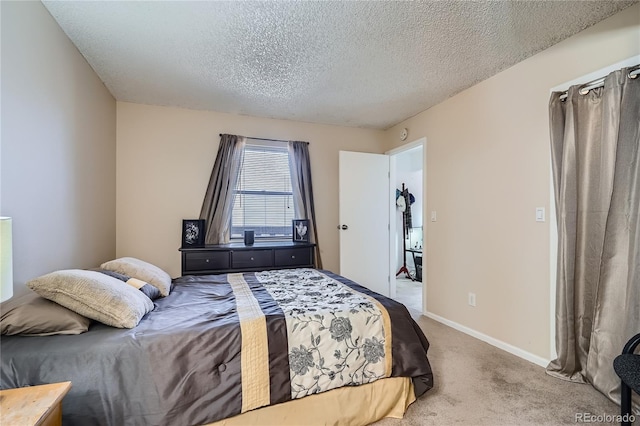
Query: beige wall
{"type": "Point", "coordinates": [58, 148]}
{"type": "Point", "coordinates": [488, 168]}
{"type": "Point", "coordinates": [164, 160]}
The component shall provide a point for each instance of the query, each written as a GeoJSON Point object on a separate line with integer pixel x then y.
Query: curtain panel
{"type": "Point", "coordinates": [595, 153]}
{"type": "Point", "coordinates": [300, 167]}
{"type": "Point", "coordinates": [218, 200]}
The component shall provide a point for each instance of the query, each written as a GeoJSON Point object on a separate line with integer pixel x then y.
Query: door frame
{"type": "Point", "coordinates": [393, 235]}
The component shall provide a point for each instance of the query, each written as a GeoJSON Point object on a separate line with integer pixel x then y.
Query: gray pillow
{"type": "Point", "coordinates": [32, 315]}
{"type": "Point", "coordinates": [147, 289]}
{"type": "Point", "coordinates": [142, 270]}
{"type": "Point", "coordinates": [94, 295]}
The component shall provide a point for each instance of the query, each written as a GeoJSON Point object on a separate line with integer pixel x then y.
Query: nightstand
{"type": "Point", "coordinates": [33, 405]}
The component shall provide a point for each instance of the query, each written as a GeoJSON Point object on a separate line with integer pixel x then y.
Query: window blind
{"type": "Point", "coordinates": [263, 197]}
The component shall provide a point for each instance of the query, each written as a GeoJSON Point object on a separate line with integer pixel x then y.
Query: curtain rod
{"type": "Point", "coordinates": [266, 139]}
{"type": "Point", "coordinates": [599, 82]}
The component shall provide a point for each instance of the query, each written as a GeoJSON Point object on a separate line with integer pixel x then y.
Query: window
{"type": "Point", "coordinates": [263, 197]}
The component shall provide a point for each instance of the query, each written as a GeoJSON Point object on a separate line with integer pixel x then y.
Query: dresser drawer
{"type": "Point", "coordinates": [293, 257]}
{"type": "Point", "coordinates": [251, 258]}
{"type": "Point", "coordinates": [237, 257]}
{"type": "Point", "coordinates": [206, 260]}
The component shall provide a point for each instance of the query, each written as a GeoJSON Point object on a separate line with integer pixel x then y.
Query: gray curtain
{"type": "Point", "coordinates": [596, 171]}
{"type": "Point", "coordinates": [218, 200]}
{"type": "Point", "coordinates": [300, 166]}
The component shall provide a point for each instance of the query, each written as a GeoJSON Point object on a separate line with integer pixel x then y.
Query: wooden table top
{"type": "Point", "coordinates": [29, 405]}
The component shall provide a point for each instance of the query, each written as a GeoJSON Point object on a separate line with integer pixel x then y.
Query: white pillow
{"type": "Point", "coordinates": [142, 270]}
{"type": "Point", "coordinates": [94, 295]}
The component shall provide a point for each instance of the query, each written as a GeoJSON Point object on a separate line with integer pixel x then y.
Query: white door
{"type": "Point", "coordinates": [364, 219]}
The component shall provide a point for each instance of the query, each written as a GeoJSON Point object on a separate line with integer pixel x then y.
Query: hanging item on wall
{"type": "Point", "coordinates": [193, 233]}
{"type": "Point", "coordinates": [400, 202]}
{"type": "Point", "coordinates": [403, 200]}
{"type": "Point", "coordinates": [406, 213]}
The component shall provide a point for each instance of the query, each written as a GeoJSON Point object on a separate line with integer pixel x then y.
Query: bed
{"type": "Point", "coordinates": [273, 347]}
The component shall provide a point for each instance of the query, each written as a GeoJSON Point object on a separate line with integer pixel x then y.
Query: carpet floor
{"type": "Point", "coordinates": [478, 384]}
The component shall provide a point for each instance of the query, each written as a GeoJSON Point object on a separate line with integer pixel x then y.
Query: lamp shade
{"type": "Point", "coordinates": [6, 260]}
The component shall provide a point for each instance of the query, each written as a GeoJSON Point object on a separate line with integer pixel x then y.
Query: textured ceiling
{"type": "Point", "coordinates": [361, 64]}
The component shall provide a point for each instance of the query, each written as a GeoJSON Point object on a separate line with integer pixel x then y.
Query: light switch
{"type": "Point", "coordinates": [433, 215]}
{"type": "Point", "coordinates": [540, 214]}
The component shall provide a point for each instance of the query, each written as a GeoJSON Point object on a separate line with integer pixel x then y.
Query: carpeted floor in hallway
{"type": "Point", "coordinates": [409, 293]}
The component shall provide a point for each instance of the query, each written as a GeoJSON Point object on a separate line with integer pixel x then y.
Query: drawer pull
{"type": "Point", "coordinates": [207, 260]}
{"type": "Point", "coordinates": [293, 257]}
{"type": "Point", "coordinates": [252, 258]}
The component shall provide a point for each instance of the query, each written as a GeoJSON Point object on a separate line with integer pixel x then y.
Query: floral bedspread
{"type": "Point", "coordinates": [336, 335]}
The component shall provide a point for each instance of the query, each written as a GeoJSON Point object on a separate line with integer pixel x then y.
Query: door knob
{"type": "Point", "coordinates": [345, 227]}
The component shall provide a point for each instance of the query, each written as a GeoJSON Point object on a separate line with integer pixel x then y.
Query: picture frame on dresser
{"type": "Point", "coordinates": [300, 230]}
{"type": "Point", "coordinates": [193, 232]}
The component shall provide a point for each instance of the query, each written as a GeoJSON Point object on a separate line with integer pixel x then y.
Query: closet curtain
{"type": "Point", "coordinates": [596, 173]}
{"type": "Point", "coordinates": [218, 200]}
{"type": "Point", "coordinates": [302, 189]}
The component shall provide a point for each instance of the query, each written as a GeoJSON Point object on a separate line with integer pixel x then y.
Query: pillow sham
{"type": "Point", "coordinates": [147, 289]}
{"type": "Point", "coordinates": [94, 295]}
{"type": "Point", "coordinates": [32, 315]}
{"type": "Point", "coordinates": [142, 270]}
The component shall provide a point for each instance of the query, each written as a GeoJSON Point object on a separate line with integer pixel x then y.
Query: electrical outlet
{"type": "Point", "coordinates": [472, 299]}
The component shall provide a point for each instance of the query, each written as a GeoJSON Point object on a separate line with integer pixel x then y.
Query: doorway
{"type": "Point", "coordinates": [407, 236]}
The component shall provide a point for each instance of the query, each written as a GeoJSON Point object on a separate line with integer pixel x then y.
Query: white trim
{"type": "Point", "coordinates": [425, 228]}
{"type": "Point", "coordinates": [538, 360]}
{"type": "Point", "coordinates": [419, 142]}
{"type": "Point", "coordinates": [634, 60]}
{"type": "Point", "coordinates": [392, 226]}
{"type": "Point", "coordinates": [553, 262]}
{"type": "Point", "coordinates": [267, 143]}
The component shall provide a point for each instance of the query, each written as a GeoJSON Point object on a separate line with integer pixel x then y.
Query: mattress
{"type": "Point", "coordinates": [220, 346]}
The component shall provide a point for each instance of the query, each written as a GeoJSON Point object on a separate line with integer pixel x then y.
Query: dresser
{"type": "Point", "coordinates": [33, 405]}
{"type": "Point", "coordinates": [236, 257]}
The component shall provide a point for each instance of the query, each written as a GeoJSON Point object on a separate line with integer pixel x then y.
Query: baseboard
{"type": "Point", "coordinates": [490, 340]}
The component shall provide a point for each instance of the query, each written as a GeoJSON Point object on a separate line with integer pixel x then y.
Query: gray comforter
{"type": "Point", "coordinates": [183, 363]}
